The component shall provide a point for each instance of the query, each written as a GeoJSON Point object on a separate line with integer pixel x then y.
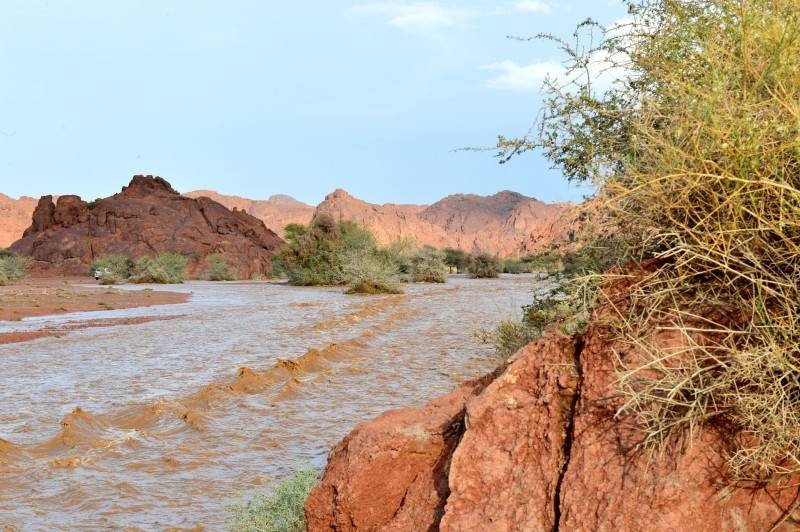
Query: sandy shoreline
{"type": "Point", "coordinates": [52, 296]}
{"type": "Point", "coordinates": [47, 296]}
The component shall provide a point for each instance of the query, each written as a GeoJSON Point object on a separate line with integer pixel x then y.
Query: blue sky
{"type": "Point", "coordinates": [256, 98]}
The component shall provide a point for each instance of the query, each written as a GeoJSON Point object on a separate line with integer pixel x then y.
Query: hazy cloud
{"type": "Point", "coordinates": [512, 76]}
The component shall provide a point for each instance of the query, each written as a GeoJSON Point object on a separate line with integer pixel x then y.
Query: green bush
{"type": "Point", "coordinates": [509, 337]}
{"type": "Point", "coordinates": [399, 253]}
{"type": "Point", "coordinates": [166, 268]}
{"type": "Point", "coordinates": [277, 510]}
{"type": "Point", "coordinates": [328, 252]}
{"type": "Point", "coordinates": [484, 266]}
{"type": "Point", "coordinates": [217, 269]}
{"type": "Point", "coordinates": [368, 272]}
{"type": "Point", "coordinates": [12, 267]}
{"type": "Point", "coordinates": [428, 266]}
{"type": "Point", "coordinates": [456, 259]}
{"type": "Point", "coordinates": [112, 268]}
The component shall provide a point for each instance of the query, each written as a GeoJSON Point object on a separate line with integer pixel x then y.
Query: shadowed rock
{"type": "Point", "coordinates": [146, 218]}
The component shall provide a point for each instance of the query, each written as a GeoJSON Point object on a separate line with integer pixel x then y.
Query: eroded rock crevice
{"type": "Point", "coordinates": [569, 437]}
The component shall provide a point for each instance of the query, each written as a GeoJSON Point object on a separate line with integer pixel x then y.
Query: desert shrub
{"type": "Point", "coordinates": [367, 272]}
{"type": "Point", "coordinates": [516, 265]}
{"type": "Point", "coordinates": [279, 509]}
{"type": "Point", "coordinates": [113, 268]}
{"type": "Point", "coordinates": [217, 269]}
{"type": "Point", "coordinates": [509, 336]}
{"type": "Point", "coordinates": [565, 305]}
{"type": "Point", "coordinates": [399, 253]}
{"type": "Point", "coordinates": [484, 266]}
{"type": "Point", "coordinates": [427, 265]}
{"type": "Point", "coordinates": [166, 268]}
{"type": "Point", "coordinates": [328, 252]}
{"type": "Point", "coordinates": [697, 161]}
{"type": "Point", "coordinates": [456, 259]}
{"type": "Point", "coordinates": [12, 267]}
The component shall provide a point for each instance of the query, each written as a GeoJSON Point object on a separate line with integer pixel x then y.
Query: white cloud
{"type": "Point", "coordinates": [522, 77]}
{"type": "Point", "coordinates": [534, 6]}
{"type": "Point", "coordinates": [415, 16]}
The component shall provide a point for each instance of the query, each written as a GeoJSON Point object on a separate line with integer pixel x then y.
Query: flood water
{"type": "Point", "coordinates": [162, 424]}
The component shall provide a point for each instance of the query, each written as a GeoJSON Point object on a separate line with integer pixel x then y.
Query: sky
{"type": "Point", "coordinates": [258, 97]}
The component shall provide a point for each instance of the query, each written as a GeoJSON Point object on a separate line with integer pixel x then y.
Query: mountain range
{"type": "Point", "coordinates": [506, 223]}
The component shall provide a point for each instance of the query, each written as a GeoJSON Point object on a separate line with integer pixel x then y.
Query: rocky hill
{"type": "Point", "coordinates": [505, 224]}
{"type": "Point", "coordinates": [15, 217]}
{"type": "Point", "coordinates": [147, 217]}
{"type": "Point", "coordinates": [540, 445]}
{"type": "Point", "coordinates": [276, 212]}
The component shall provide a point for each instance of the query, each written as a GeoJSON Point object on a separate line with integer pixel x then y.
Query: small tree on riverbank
{"type": "Point", "coordinates": [327, 252]}
{"type": "Point", "coordinates": [12, 267]}
{"type": "Point", "coordinates": [484, 266]}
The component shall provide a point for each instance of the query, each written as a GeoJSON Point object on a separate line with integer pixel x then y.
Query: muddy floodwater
{"type": "Point", "coordinates": [162, 424]}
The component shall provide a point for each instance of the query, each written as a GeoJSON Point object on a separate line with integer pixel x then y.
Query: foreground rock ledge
{"type": "Point", "coordinates": [534, 447]}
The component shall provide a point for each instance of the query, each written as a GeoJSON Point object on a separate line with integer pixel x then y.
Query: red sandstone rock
{"type": "Point", "coordinates": [504, 473]}
{"type": "Point", "coordinates": [391, 473]}
{"type": "Point", "coordinates": [542, 449]}
{"type": "Point", "coordinates": [146, 218]}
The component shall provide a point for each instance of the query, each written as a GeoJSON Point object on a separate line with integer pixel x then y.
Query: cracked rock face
{"type": "Point", "coordinates": [391, 473]}
{"type": "Point", "coordinates": [146, 218]}
{"type": "Point", "coordinates": [540, 449]}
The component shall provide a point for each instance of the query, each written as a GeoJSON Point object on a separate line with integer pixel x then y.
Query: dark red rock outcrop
{"type": "Point", "coordinates": [544, 449]}
{"type": "Point", "coordinates": [147, 217]}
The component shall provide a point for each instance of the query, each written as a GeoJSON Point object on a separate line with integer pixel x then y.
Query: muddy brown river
{"type": "Point", "coordinates": [162, 424]}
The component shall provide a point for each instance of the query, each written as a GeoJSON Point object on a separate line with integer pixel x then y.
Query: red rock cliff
{"type": "Point", "coordinates": [147, 217]}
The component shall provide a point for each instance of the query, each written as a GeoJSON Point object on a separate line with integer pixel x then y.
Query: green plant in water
{"type": "Point", "coordinates": [428, 265]}
{"type": "Point", "coordinates": [484, 266]}
{"type": "Point", "coordinates": [456, 259]}
{"type": "Point", "coordinates": [328, 252]}
{"type": "Point", "coordinates": [279, 509]}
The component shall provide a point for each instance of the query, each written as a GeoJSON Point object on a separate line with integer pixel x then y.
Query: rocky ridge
{"type": "Point", "coordinates": [146, 218]}
{"type": "Point", "coordinates": [276, 212]}
{"type": "Point", "coordinates": [504, 224]}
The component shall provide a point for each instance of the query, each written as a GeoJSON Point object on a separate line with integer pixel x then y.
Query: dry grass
{"type": "Point", "coordinates": [711, 187]}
